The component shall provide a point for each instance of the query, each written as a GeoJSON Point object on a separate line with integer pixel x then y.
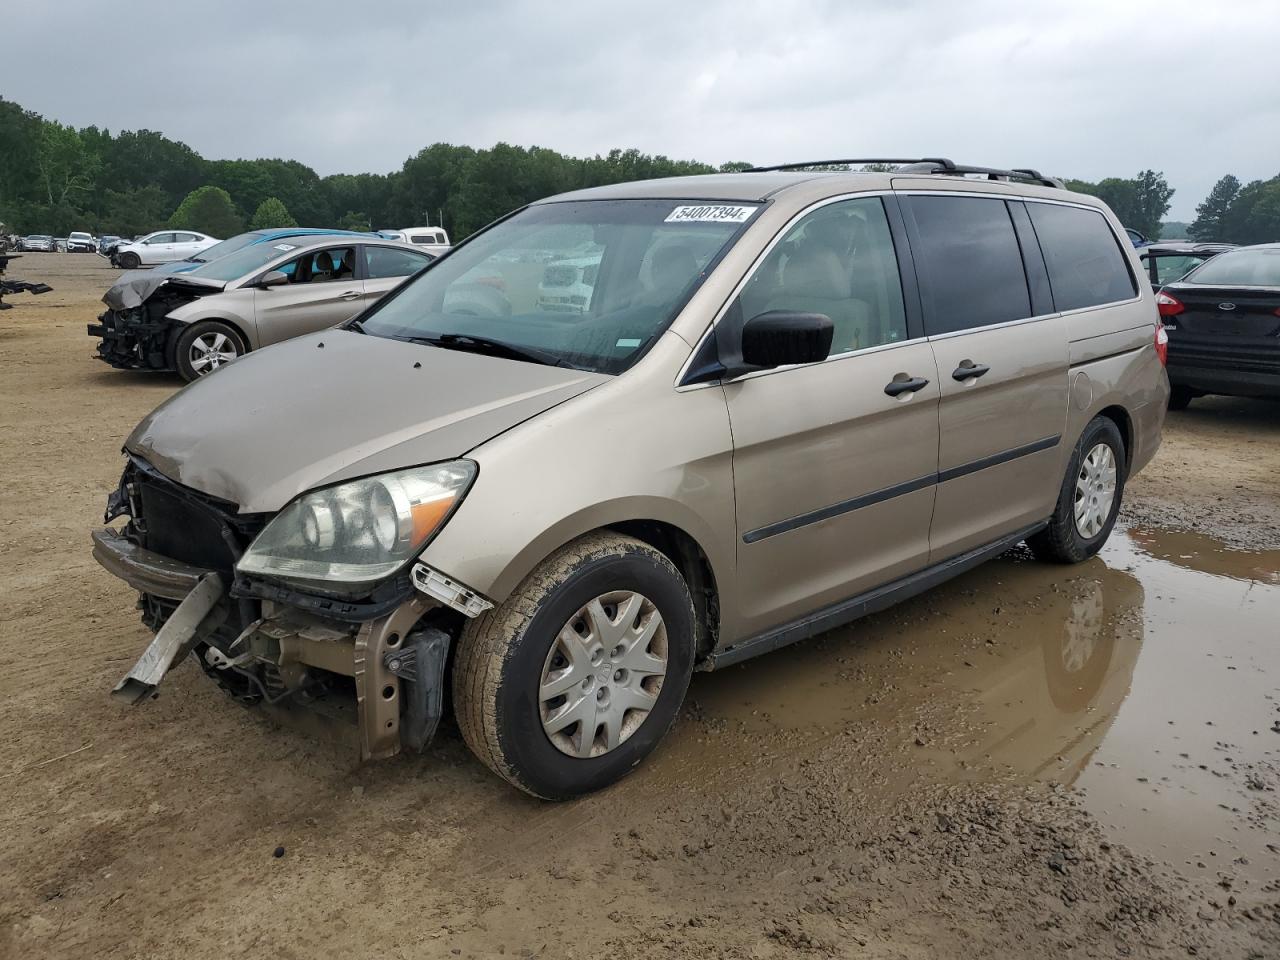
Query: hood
{"type": "Point", "coordinates": [133, 288]}
{"type": "Point", "coordinates": [336, 405]}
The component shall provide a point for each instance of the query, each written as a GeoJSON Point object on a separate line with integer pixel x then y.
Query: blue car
{"type": "Point", "coordinates": [245, 240]}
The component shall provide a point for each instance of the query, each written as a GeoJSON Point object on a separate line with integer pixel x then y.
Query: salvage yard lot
{"type": "Point", "coordinates": [1031, 760]}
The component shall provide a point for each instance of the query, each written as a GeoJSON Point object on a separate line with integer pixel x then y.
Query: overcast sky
{"type": "Point", "coordinates": [1082, 88]}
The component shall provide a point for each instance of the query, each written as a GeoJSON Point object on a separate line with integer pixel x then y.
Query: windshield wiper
{"type": "Point", "coordinates": [497, 348]}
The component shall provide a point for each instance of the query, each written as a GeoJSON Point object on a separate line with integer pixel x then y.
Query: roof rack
{"type": "Point", "coordinates": [925, 165]}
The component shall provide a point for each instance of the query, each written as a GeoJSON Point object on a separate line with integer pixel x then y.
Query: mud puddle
{"type": "Point", "coordinates": [1147, 679]}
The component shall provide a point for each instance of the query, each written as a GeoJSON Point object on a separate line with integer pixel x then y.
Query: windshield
{"type": "Point", "coordinates": [589, 283]}
{"type": "Point", "coordinates": [1241, 268]}
{"type": "Point", "coordinates": [243, 261]}
{"type": "Point", "coordinates": [225, 247]}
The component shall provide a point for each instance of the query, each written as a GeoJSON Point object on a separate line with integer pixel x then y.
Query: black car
{"type": "Point", "coordinates": [1164, 262]}
{"type": "Point", "coordinates": [1223, 321]}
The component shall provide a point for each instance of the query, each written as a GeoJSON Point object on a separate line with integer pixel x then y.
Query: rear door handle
{"type": "Point", "coordinates": [906, 385]}
{"type": "Point", "coordinates": [968, 369]}
{"type": "Point", "coordinates": [349, 295]}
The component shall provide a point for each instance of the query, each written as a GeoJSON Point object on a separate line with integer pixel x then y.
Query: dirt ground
{"type": "Point", "coordinates": [1029, 761]}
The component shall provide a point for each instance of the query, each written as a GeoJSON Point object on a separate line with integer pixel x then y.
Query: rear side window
{"type": "Point", "coordinates": [1086, 266]}
{"type": "Point", "coordinates": [381, 262]}
{"type": "Point", "coordinates": [970, 263]}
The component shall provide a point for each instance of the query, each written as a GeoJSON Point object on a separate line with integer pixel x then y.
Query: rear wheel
{"type": "Point", "coordinates": [572, 681]}
{"type": "Point", "coordinates": [1180, 397]}
{"type": "Point", "coordinates": [205, 346]}
{"type": "Point", "coordinates": [1089, 499]}
{"type": "Point", "coordinates": [129, 261]}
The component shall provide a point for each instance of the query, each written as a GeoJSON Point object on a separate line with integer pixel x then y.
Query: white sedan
{"type": "Point", "coordinates": [164, 246]}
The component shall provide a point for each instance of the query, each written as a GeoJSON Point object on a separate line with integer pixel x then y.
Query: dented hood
{"type": "Point", "coordinates": [133, 288]}
{"type": "Point", "coordinates": [336, 405]}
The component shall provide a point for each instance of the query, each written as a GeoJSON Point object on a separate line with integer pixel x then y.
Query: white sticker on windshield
{"type": "Point", "coordinates": [284, 247]}
{"type": "Point", "coordinates": [628, 342]}
{"type": "Point", "coordinates": [710, 214]}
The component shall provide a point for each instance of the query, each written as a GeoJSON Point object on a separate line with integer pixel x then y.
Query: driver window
{"type": "Point", "coordinates": [321, 266]}
{"type": "Point", "coordinates": [161, 238]}
{"type": "Point", "coordinates": [838, 261]}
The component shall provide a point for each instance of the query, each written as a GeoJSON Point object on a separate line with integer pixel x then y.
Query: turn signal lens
{"type": "Point", "coordinates": [1169, 305]}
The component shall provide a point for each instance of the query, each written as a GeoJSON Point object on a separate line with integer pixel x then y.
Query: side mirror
{"type": "Point", "coordinates": [779, 338]}
{"type": "Point", "coordinates": [273, 278]}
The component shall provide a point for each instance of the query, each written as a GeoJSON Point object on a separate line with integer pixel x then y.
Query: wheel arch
{"type": "Point", "coordinates": [1123, 420]}
{"type": "Point", "coordinates": [683, 539]}
{"type": "Point", "coordinates": [185, 319]}
{"type": "Point", "coordinates": [691, 560]}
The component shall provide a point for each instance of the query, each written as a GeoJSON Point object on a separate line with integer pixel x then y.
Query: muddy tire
{"type": "Point", "coordinates": [204, 347]}
{"type": "Point", "coordinates": [1081, 523]}
{"type": "Point", "coordinates": [510, 661]}
{"type": "Point", "coordinates": [1180, 398]}
{"type": "Point", "coordinates": [128, 261]}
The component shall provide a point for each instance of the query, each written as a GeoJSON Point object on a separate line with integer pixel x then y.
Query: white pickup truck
{"type": "Point", "coordinates": [432, 240]}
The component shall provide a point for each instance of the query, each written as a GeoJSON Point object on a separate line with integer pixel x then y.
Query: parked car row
{"type": "Point", "coordinates": [561, 512]}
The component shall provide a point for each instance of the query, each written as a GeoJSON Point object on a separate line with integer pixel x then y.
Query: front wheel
{"type": "Point", "coordinates": [1089, 499]}
{"type": "Point", "coordinates": [566, 686]}
{"type": "Point", "coordinates": [204, 347]}
{"type": "Point", "coordinates": [129, 261]}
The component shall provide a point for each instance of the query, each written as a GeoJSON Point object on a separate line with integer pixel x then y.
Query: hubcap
{"type": "Point", "coordinates": [209, 351]}
{"type": "Point", "coordinates": [603, 674]}
{"type": "Point", "coordinates": [1095, 490]}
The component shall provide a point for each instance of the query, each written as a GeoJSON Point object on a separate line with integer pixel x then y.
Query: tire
{"type": "Point", "coordinates": [1180, 398]}
{"type": "Point", "coordinates": [505, 656]}
{"type": "Point", "coordinates": [129, 261]}
{"type": "Point", "coordinates": [1064, 540]}
{"type": "Point", "coordinates": [224, 344]}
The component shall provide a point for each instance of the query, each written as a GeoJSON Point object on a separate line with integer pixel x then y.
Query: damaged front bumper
{"type": "Point", "coordinates": [133, 340]}
{"type": "Point", "coordinates": [377, 665]}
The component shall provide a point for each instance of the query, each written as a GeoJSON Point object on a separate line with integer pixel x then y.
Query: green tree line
{"type": "Point", "coordinates": [56, 178]}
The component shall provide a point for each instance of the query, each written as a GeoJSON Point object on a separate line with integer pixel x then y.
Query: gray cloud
{"type": "Point", "coordinates": [1087, 89]}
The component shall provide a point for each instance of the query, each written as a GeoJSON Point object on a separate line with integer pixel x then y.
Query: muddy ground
{"type": "Point", "coordinates": [1028, 762]}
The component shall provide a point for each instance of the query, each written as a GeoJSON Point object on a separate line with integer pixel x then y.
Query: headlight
{"type": "Point", "coordinates": [359, 532]}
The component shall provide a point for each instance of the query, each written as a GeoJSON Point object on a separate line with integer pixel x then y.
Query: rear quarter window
{"type": "Point", "coordinates": [1086, 265]}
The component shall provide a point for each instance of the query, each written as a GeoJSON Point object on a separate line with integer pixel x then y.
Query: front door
{"type": "Point", "coordinates": [1002, 365]}
{"type": "Point", "coordinates": [160, 248]}
{"type": "Point", "coordinates": [833, 468]}
{"type": "Point", "coordinates": [323, 291]}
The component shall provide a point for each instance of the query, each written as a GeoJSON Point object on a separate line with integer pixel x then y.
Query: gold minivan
{"type": "Point", "coordinates": [793, 397]}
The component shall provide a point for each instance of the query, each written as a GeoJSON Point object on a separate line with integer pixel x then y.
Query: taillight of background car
{"type": "Point", "coordinates": [1169, 305]}
{"type": "Point", "coordinates": [1162, 343]}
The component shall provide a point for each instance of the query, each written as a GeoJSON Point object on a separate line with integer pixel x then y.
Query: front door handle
{"type": "Point", "coordinates": [349, 295]}
{"type": "Point", "coordinates": [969, 370]}
{"type": "Point", "coordinates": [905, 385]}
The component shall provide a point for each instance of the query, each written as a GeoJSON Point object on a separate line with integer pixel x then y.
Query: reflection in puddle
{"type": "Point", "coordinates": [1206, 555]}
{"type": "Point", "coordinates": [1145, 678]}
